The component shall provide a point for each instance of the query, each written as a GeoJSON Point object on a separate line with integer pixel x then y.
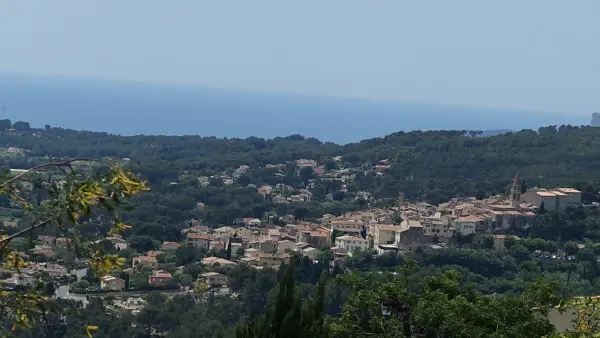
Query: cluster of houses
{"type": "Point", "coordinates": [403, 228]}
{"type": "Point", "coordinates": [421, 224]}
{"type": "Point", "coordinates": [470, 218]}
{"type": "Point", "coordinates": [27, 276]}
{"type": "Point", "coordinates": [45, 246]}
{"type": "Point", "coordinates": [285, 194]}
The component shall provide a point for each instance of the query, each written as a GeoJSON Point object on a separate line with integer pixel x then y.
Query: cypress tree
{"type": "Point", "coordinates": [285, 299]}
{"type": "Point", "coordinates": [289, 317]}
{"type": "Point", "coordinates": [523, 187]}
{"type": "Point", "coordinates": [228, 249]}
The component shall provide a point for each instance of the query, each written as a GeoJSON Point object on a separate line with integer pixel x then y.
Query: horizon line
{"type": "Point", "coordinates": [197, 86]}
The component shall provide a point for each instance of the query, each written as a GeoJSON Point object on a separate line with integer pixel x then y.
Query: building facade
{"type": "Point", "coordinates": [352, 243]}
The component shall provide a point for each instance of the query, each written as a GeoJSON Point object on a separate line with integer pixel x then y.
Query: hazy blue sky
{"type": "Point", "coordinates": [533, 54]}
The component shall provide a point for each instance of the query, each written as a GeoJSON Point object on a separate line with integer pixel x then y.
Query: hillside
{"type": "Point", "coordinates": [433, 165]}
{"type": "Point", "coordinates": [178, 110]}
{"type": "Point", "coordinates": [188, 247]}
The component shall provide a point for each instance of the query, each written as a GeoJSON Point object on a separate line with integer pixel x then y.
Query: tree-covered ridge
{"type": "Point", "coordinates": [423, 164]}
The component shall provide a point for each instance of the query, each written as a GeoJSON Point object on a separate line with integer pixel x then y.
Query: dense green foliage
{"type": "Point", "coordinates": [433, 163]}
{"type": "Point", "coordinates": [446, 291]}
{"type": "Point", "coordinates": [453, 279]}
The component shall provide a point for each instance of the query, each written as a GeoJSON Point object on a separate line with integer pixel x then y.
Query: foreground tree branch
{"type": "Point", "coordinates": [37, 168]}
{"type": "Point", "coordinates": [5, 240]}
{"type": "Point", "coordinates": [63, 204]}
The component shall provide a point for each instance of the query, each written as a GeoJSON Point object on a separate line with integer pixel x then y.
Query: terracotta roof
{"type": "Point", "coordinates": [569, 190]}
{"type": "Point", "coordinates": [145, 259]}
{"type": "Point", "coordinates": [462, 206]}
{"type": "Point", "coordinates": [546, 193]}
{"type": "Point", "coordinates": [273, 255]}
{"type": "Point", "coordinates": [216, 260]}
{"type": "Point", "coordinates": [317, 234]}
{"type": "Point", "coordinates": [501, 206]}
{"type": "Point", "coordinates": [197, 235]}
{"type": "Point", "coordinates": [154, 253]}
{"type": "Point", "coordinates": [469, 219]}
{"type": "Point", "coordinates": [161, 274]}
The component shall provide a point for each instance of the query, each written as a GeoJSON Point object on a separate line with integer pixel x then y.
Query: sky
{"type": "Point", "coordinates": [538, 55]}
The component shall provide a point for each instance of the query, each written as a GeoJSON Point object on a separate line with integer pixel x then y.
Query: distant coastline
{"type": "Point", "coordinates": [157, 109]}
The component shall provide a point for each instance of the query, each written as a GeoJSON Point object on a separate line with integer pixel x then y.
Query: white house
{"type": "Point", "coordinates": [466, 225]}
{"type": "Point", "coordinates": [351, 243]}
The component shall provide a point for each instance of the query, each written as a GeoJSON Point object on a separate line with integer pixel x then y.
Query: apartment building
{"type": "Point", "coordinates": [437, 227]}
{"type": "Point", "coordinates": [347, 226]}
{"type": "Point", "coordinates": [351, 243]}
{"type": "Point", "coordinates": [199, 240]}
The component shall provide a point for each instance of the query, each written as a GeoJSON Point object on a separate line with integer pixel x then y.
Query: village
{"type": "Point", "coordinates": [406, 227]}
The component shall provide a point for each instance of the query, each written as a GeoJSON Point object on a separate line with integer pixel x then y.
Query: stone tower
{"type": "Point", "coordinates": [515, 194]}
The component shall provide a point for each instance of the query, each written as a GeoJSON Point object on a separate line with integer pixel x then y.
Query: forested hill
{"type": "Point", "coordinates": [434, 165]}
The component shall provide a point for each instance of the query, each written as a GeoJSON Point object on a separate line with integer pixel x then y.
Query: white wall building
{"type": "Point", "coordinates": [351, 243]}
{"type": "Point", "coordinates": [466, 225]}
